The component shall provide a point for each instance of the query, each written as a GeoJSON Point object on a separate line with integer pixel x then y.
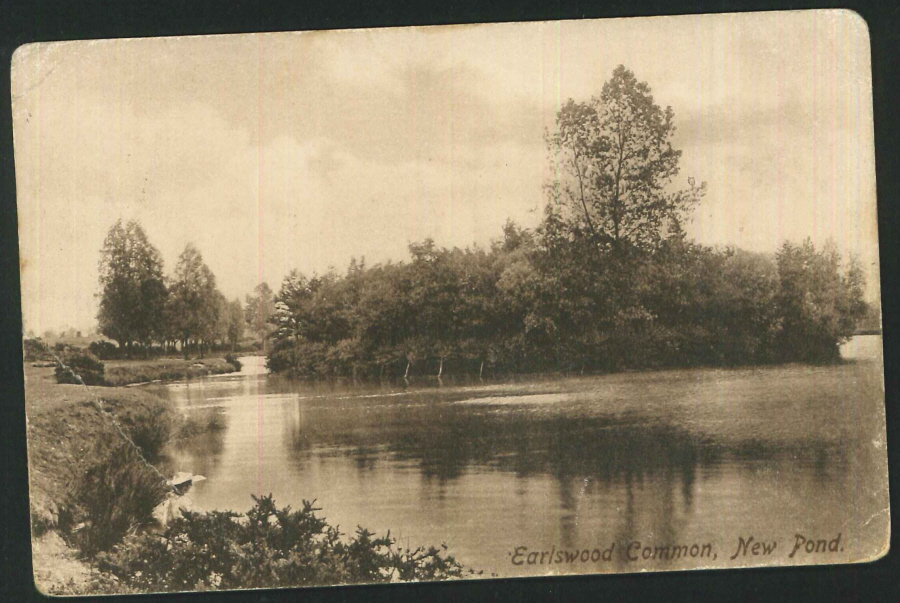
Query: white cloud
{"type": "Point", "coordinates": [281, 151]}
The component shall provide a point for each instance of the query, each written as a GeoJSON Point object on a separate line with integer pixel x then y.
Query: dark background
{"type": "Point", "coordinates": [23, 21]}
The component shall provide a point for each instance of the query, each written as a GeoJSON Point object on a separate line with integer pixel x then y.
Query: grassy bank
{"type": "Point", "coordinates": [66, 430]}
{"type": "Point", "coordinates": [88, 485]}
{"type": "Point", "coordinates": [93, 493]}
{"type": "Point", "coordinates": [127, 372]}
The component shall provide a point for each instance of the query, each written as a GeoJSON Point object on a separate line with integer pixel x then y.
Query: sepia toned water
{"type": "Point", "coordinates": [493, 469]}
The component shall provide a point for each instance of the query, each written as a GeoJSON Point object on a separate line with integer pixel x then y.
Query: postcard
{"type": "Point", "coordinates": [456, 302]}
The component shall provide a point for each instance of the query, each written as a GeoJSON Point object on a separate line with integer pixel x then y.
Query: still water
{"type": "Point", "coordinates": [665, 458]}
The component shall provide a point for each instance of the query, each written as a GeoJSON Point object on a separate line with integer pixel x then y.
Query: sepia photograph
{"type": "Point", "coordinates": [451, 302]}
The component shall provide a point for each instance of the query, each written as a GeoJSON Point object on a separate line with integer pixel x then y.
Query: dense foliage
{"type": "Point", "coordinates": [139, 305]}
{"type": "Point", "coordinates": [80, 368]}
{"type": "Point", "coordinates": [104, 350]}
{"type": "Point", "coordinates": [537, 302]}
{"type": "Point", "coordinates": [133, 289]}
{"type": "Point", "coordinates": [608, 280]}
{"type": "Point", "coordinates": [267, 547]}
{"type": "Point", "coordinates": [114, 496]}
{"type": "Point", "coordinates": [110, 488]}
{"type": "Point", "coordinates": [233, 361]}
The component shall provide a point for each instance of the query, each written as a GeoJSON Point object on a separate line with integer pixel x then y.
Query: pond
{"type": "Point", "coordinates": [498, 470]}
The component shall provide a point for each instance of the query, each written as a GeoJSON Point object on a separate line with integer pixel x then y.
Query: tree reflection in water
{"type": "Point", "coordinates": [649, 457]}
{"type": "Point", "coordinates": [657, 457]}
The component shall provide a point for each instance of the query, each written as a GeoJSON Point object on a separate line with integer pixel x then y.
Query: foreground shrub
{"type": "Point", "coordinates": [86, 366]}
{"type": "Point", "coordinates": [266, 548]}
{"type": "Point", "coordinates": [114, 496]}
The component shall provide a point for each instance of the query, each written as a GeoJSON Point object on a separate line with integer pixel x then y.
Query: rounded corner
{"type": "Point", "coordinates": [856, 20]}
{"type": "Point", "coordinates": [885, 548]}
{"type": "Point", "coordinates": [21, 53]}
{"type": "Point", "coordinates": [40, 588]}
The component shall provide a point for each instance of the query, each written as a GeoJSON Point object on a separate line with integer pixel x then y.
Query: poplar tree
{"type": "Point", "coordinates": [193, 300]}
{"type": "Point", "coordinates": [133, 291]}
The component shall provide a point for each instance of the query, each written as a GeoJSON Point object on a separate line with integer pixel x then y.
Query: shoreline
{"type": "Point", "coordinates": [64, 422]}
{"type": "Point", "coordinates": [123, 373]}
{"type": "Point", "coordinates": [465, 378]}
{"type": "Point", "coordinates": [68, 433]}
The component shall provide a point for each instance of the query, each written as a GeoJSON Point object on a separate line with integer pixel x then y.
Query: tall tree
{"type": "Point", "coordinates": [133, 293]}
{"type": "Point", "coordinates": [193, 300]}
{"type": "Point", "coordinates": [615, 163]}
{"type": "Point", "coordinates": [288, 322]}
{"type": "Point", "coordinates": [234, 321]}
{"type": "Point", "coordinates": [258, 310]}
{"type": "Point", "coordinates": [220, 330]}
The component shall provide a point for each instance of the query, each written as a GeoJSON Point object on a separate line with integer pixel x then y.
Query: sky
{"type": "Point", "coordinates": [278, 151]}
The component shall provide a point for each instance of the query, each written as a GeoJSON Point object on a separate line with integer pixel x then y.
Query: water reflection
{"type": "Point", "coordinates": [665, 458]}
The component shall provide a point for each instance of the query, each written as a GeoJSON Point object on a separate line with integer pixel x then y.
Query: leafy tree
{"type": "Point", "coordinates": [220, 330]}
{"type": "Point", "coordinates": [193, 300]}
{"type": "Point", "coordinates": [607, 281]}
{"type": "Point", "coordinates": [615, 161]}
{"type": "Point", "coordinates": [434, 293]}
{"type": "Point", "coordinates": [258, 310]}
{"type": "Point", "coordinates": [234, 329]}
{"type": "Point", "coordinates": [819, 302]}
{"type": "Point", "coordinates": [133, 293]}
{"type": "Point", "coordinates": [287, 320]}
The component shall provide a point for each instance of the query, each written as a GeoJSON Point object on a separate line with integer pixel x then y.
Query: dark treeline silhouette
{"type": "Point", "coordinates": [536, 302]}
{"type": "Point", "coordinates": [140, 306]}
{"type": "Point", "coordinates": [607, 281]}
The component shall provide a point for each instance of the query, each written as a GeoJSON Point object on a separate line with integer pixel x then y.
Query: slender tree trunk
{"type": "Point", "coordinates": [406, 374]}
{"type": "Point", "coordinates": [481, 370]}
{"type": "Point", "coordinates": [441, 368]}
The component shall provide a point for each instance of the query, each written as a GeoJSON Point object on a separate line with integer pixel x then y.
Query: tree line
{"type": "Point", "coordinates": [536, 302]}
{"type": "Point", "coordinates": [140, 306]}
{"type": "Point", "coordinates": [607, 281]}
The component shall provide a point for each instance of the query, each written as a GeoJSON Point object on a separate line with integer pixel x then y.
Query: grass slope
{"type": "Point", "coordinates": [126, 372]}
